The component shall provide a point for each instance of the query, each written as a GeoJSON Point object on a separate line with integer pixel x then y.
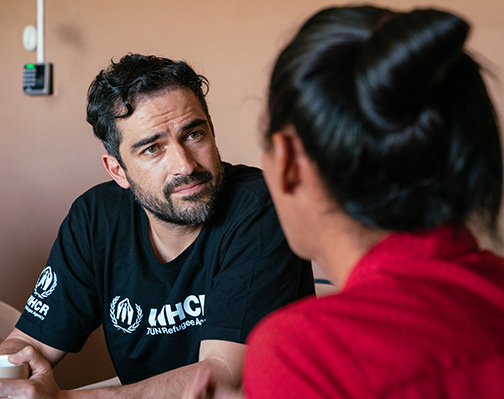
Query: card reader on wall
{"type": "Point", "coordinates": [37, 79]}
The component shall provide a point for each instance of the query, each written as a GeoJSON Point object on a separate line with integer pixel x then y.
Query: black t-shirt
{"type": "Point", "coordinates": [102, 270]}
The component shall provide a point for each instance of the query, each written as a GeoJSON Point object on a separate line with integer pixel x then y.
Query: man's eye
{"type": "Point", "coordinates": [152, 149]}
{"type": "Point", "coordinates": [194, 135]}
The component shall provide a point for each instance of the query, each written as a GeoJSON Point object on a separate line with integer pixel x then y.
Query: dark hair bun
{"type": "Point", "coordinates": [395, 114]}
{"type": "Point", "coordinates": [403, 62]}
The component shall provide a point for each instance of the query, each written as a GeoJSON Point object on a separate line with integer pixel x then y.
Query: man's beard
{"type": "Point", "coordinates": [194, 210]}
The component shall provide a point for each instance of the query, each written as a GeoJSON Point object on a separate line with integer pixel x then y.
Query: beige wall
{"type": "Point", "coordinates": [48, 154]}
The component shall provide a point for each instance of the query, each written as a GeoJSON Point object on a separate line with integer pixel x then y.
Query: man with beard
{"type": "Point", "coordinates": [178, 260]}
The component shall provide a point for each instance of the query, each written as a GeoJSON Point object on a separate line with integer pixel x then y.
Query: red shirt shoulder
{"type": "Point", "coordinates": [409, 321]}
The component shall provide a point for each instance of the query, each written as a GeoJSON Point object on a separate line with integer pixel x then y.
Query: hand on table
{"type": "Point", "coordinates": [201, 388]}
{"type": "Point", "coordinates": [41, 383]}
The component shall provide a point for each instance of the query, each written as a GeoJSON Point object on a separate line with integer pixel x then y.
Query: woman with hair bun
{"type": "Point", "coordinates": [382, 145]}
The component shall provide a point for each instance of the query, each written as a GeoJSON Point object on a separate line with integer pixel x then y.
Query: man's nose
{"type": "Point", "coordinates": [180, 161]}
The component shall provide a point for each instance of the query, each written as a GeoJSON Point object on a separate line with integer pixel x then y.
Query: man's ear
{"type": "Point", "coordinates": [211, 125]}
{"type": "Point", "coordinates": [287, 149]}
{"type": "Point", "coordinates": [115, 170]}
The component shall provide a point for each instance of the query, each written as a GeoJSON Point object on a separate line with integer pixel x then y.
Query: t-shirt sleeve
{"type": "Point", "coordinates": [259, 273]}
{"type": "Point", "coordinates": [62, 311]}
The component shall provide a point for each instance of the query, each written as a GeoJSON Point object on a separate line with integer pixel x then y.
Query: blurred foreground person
{"type": "Point", "coordinates": [382, 144]}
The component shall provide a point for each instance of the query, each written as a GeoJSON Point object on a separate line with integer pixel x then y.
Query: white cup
{"type": "Point", "coordinates": [9, 370]}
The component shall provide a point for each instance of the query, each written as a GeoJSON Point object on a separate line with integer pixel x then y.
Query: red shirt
{"type": "Point", "coordinates": [421, 317]}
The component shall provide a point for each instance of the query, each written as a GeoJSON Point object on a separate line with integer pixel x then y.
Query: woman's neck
{"type": "Point", "coordinates": [341, 243]}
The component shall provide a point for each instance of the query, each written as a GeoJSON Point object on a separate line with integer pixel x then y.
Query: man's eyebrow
{"type": "Point", "coordinates": [145, 141]}
{"type": "Point", "coordinates": [194, 123]}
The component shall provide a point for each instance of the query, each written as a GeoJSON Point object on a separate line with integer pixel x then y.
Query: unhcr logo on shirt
{"type": "Point", "coordinates": [46, 284]}
{"type": "Point", "coordinates": [168, 319]}
{"type": "Point", "coordinates": [173, 319]}
{"type": "Point", "coordinates": [123, 315]}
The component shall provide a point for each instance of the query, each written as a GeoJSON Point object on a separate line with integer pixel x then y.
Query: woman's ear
{"type": "Point", "coordinates": [115, 170]}
{"type": "Point", "coordinates": [287, 152]}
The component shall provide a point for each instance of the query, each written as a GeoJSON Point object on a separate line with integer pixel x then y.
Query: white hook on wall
{"type": "Point", "coordinates": [30, 38]}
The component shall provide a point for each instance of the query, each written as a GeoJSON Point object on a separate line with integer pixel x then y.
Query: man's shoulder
{"type": "Point", "coordinates": [105, 197]}
{"type": "Point", "coordinates": [105, 190]}
{"type": "Point", "coordinates": [245, 182]}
